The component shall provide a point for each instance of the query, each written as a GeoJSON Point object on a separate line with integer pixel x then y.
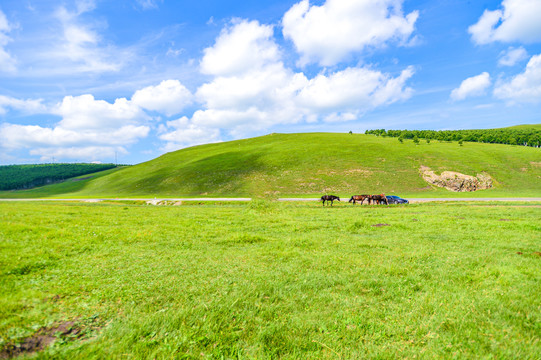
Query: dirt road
{"type": "Point", "coordinates": [413, 201]}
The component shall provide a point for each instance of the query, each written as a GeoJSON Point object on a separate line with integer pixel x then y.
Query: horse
{"type": "Point", "coordinates": [328, 198]}
{"type": "Point", "coordinates": [381, 198]}
{"type": "Point", "coordinates": [360, 198]}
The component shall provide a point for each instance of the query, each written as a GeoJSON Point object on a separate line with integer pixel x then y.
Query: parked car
{"type": "Point", "coordinates": [392, 199]}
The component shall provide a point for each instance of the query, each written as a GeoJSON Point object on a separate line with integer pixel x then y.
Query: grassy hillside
{"type": "Point", "coordinates": [316, 163]}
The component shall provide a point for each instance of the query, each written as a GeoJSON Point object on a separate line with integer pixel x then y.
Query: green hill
{"type": "Point", "coordinates": [312, 164]}
{"type": "Point", "coordinates": [14, 177]}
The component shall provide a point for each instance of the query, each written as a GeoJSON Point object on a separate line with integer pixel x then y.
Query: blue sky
{"type": "Point", "coordinates": [96, 80]}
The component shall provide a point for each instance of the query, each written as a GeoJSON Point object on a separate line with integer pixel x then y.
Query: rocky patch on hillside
{"type": "Point", "coordinates": [455, 181]}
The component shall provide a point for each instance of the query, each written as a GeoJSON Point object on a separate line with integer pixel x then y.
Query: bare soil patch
{"type": "Point", "coordinates": [41, 339]}
{"type": "Point", "coordinates": [455, 181]}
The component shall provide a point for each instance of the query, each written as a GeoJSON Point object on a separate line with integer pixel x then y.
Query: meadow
{"type": "Point", "coordinates": [269, 280]}
{"type": "Point", "coordinates": [310, 165]}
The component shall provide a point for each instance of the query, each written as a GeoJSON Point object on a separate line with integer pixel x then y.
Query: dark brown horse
{"type": "Point", "coordinates": [380, 199]}
{"type": "Point", "coordinates": [328, 198]}
{"type": "Point", "coordinates": [360, 198]}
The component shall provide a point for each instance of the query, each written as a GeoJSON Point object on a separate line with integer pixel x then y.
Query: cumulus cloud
{"type": "Point", "coordinates": [85, 112]}
{"type": "Point", "coordinates": [512, 56]}
{"type": "Point", "coordinates": [327, 34]}
{"type": "Point", "coordinates": [7, 62]}
{"type": "Point", "coordinates": [170, 97]}
{"type": "Point", "coordinates": [264, 92]}
{"type": "Point", "coordinates": [524, 87]}
{"type": "Point", "coordinates": [473, 86]}
{"type": "Point", "coordinates": [92, 129]}
{"type": "Point", "coordinates": [181, 133]}
{"type": "Point", "coordinates": [517, 21]}
{"type": "Point", "coordinates": [354, 89]}
{"type": "Point", "coordinates": [16, 136]}
{"type": "Point", "coordinates": [240, 46]}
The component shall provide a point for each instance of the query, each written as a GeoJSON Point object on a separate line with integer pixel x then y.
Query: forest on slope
{"type": "Point", "coordinates": [520, 135]}
{"type": "Point", "coordinates": [17, 177]}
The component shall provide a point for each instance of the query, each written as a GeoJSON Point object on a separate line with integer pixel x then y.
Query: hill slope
{"type": "Point", "coordinates": [316, 163]}
{"type": "Point", "coordinates": [13, 177]}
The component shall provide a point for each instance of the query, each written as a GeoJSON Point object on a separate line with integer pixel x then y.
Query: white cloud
{"type": "Point", "coordinates": [29, 106]}
{"type": "Point", "coordinates": [263, 92]}
{"type": "Point", "coordinates": [181, 133]}
{"type": "Point", "coordinates": [80, 48]}
{"type": "Point", "coordinates": [148, 4]}
{"type": "Point", "coordinates": [86, 123]}
{"type": "Point", "coordinates": [84, 112]}
{"type": "Point", "coordinates": [473, 86]}
{"type": "Point", "coordinates": [512, 56]}
{"type": "Point", "coordinates": [240, 46]}
{"type": "Point", "coordinates": [90, 128]}
{"type": "Point", "coordinates": [354, 89]}
{"type": "Point", "coordinates": [169, 97]}
{"type": "Point", "coordinates": [517, 21]}
{"type": "Point", "coordinates": [16, 136]}
{"type": "Point", "coordinates": [329, 33]}
{"type": "Point", "coordinates": [7, 62]}
{"type": "Point", "coordinates": [524, 87]}
{"type": "Point", "coordinates": [87, 153]}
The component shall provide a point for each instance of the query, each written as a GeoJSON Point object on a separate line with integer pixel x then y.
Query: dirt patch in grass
{"type": "Point", "coordinates": [455, 181]}
{"type": "Point", "coordinates": [41, 339]}
{"type": "Point", "coordinates": [535, 253]}
{"type": "Point", "coordinates": [380, 225]}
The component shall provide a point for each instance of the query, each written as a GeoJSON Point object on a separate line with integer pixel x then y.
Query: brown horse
{"type": "Point", "coordinates": [328, 198]}
{"type": "Point", "coordinates": [380, 199]}
{"type": "Point", "coordinates": [360, 198]}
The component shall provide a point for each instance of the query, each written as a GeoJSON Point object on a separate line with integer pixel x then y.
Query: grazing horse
{"type": "Point", "coordinates": [381, 198]}
{"type": "Point", "coordinates": [328, 198]}
{"type": "Point", "coordinates": [360, 198]}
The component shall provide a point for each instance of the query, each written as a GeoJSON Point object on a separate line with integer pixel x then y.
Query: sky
{"type": "Point", "coordinates": [127, 81]}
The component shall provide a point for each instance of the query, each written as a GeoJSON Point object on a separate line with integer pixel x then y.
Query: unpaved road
{"type": "Point", "coordinates": [413, 201]}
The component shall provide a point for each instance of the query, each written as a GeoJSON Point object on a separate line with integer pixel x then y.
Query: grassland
{"type": "Point", "coordinates": [281, 165]}
{"type": "Point", "coordinates": [263, 280]}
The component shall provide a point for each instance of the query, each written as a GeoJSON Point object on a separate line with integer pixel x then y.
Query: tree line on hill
{"type": "Point", "coordinates": [17, 177]}
{"type": "Point", "coordinates": [509, 136]}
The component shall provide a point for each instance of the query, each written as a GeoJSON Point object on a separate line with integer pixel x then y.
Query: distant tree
{"type": "Point", "coordinates": [416, 140]}
{"type": "Point", "coordinates": [428, 141]}
{"type": "Point", "coordinates": [460, 142]}
{"type": "Point", "coordinates": [350, 132]}
{"type": "Point", "coordinates": [521, 136]}
{"type": "Point", "coordinates": [401, 139]}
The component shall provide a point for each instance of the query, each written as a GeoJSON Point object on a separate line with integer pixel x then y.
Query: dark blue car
{"type": "Point", "coordinates": [396, 200]}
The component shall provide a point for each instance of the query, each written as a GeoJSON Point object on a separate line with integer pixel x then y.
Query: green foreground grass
{"type": "Point", "coordinates": [274, 280]}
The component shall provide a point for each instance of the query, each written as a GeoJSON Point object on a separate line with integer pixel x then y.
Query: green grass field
{"type": "Point", "coordinates": [282, 165]}
{"type": "Point", "coordinates": [265, 280]}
